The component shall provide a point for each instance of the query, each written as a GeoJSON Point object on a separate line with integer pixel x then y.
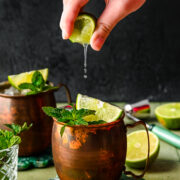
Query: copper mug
{"type": "Point", "coordinates": [93, 152]}
{"type": "Point", "coordinates": [21, 108]}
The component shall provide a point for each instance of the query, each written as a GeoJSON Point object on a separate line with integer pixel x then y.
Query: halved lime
{"type": "Point", "coordinates": [83, 29]}
{"type": "Point", "coordinates": [25, 77]}
{"type": "Point", "coordinates": [104, 111]}
{"type": "Point", "coordinates": [137, 148]}
{"type": "Point", "coordinates": [169, 115]}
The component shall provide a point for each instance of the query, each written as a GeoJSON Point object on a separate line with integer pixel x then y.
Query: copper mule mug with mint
{"type": "Point", "coordinates": [88, 145]}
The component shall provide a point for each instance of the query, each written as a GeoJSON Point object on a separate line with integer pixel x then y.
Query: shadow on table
{"type": "Point", "coordinates": [150, 120]}
{"type": "Point", "coordinates": [162, 165]}
{"type": "Point", "coordinates": [123, 177]}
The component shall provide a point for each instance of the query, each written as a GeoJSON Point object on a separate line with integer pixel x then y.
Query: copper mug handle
{"type": "Point", "coordinates": [68, 94]}
{"type": "Point", "coordinates": [147, 160]}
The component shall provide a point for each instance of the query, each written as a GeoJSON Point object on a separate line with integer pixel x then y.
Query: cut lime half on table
{"type": "Point", "coordinates": [137, 148]}
{"type": "Point", "coordinates": [84, 27]}
{"type": "Point", "coordinates": [104, 111]}
{"type": "Point", "coordinates": [169, 115]}
{"type": "Point", "coordinates": [16, 80]}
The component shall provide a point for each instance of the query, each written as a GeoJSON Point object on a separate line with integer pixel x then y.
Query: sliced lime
{"type": "Point", "coordinates": [25, 77]}
{"type": "Point", "coordinates": [169, 115]}
{"type": "Point", "coordinates": [83, 29]}
{"type": "Point", "coordinates": [137, 148]}
{"type": "Point", "coordinates": [104, 111]}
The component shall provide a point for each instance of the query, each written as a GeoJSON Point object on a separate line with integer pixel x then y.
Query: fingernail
{"type": "Point", "coordinates": [64, 35]}
{"type": "Point", "coordinates": [99, 42]}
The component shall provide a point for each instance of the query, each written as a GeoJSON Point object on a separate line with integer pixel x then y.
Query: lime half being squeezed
{"type": "Point", "coordinates": [84, 27]}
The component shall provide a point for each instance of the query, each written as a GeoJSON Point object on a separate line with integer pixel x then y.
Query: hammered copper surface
{"type": "Point", "coordinates": [20, 109]}
{"type": "Point", "coordinates": [95, 152]}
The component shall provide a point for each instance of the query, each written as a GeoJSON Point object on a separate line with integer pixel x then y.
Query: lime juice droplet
{"type": "Point", "coordinates": [85, 60]}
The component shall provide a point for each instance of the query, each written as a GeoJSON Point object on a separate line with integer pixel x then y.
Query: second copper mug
{"type": "Point", "coordinates": [21, 108]}
{"type": "Point", "coordinates": [93, 152]}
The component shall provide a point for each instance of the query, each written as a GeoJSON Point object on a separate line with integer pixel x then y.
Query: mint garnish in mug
{"type": "Point", "coordinates": [71, 117]}
{"type": "Point", "coordinates": [37, 84]}
{"type": "Point", "coordinates": [11, 138]}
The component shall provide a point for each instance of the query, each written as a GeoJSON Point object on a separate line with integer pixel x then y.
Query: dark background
{"type": "Point", "coordinates": [139, 60]}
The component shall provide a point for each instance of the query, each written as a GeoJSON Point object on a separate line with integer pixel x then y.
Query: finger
{"type": "Point", "coordinates": [71, 10]}
{"type": "Point", "coordinates": [114, 11]}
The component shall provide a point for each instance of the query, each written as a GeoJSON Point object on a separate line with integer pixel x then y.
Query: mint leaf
{"type": "Point", "coordinates": [25, 127]}
{"type": "Point", "coordinates": [17, 129]}
{"type": "Point", "coordinates": [71, 123]}
{"type": "Point", "coordinates": [27, 86]}
{"type": "Point", "coordinates": [66, 114]}
{"type": "Point", "coordinates": [5, 137]}
{"type": "Point", "coordinates": [10, 138]}
{"type": "Point", "coordinates": [32, 92]}
{"type": "Point", "coordinates": [14, 140]}
{"type": "Point", "coordinates": [53, 112]}
{"type": "Point", "coordinates": [3, 143]}
{"type": "Point", "coordinates": [81, 121]}
{"type": "Point", "coordinates": [62, 130]}
{"type": "Point", "coordinates": [48, 87]}
{"type": "Point", "coordinates": [84, 112]}
{"type": "Point", "coordinates": [38, 80]}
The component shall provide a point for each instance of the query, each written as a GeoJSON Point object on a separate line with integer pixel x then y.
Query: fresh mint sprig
{"type": "Point", "coordinates": [10, 138]}
{"type": "Point", "coordinates": [38, 84]}
{"type": "Point", "coordinates": [71, 117]}
{"type": "Point", "coordinates": [17, 129]}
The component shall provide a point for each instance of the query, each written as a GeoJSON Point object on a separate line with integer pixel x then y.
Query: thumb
{"type": "Point", "coordinates": [114, 11]}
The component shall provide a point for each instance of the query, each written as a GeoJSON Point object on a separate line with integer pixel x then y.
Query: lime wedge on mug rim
{"type": "Point", "coordinates": [25, 77]}
{"type": "Point", "coordinates": [169, 115]}
{"type": "Point", "coordinates": [104, 111]}
{"type": "Point", "coordinates": [137, 148]}
{"type": "Point", "coordinates": [84, 27]}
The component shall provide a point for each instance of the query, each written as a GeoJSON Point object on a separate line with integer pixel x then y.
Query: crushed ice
{"type": "Point", "coordinates": [13, 91]}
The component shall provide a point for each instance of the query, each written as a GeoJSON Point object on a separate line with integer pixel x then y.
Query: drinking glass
{"type": "Point", "coordinates": [8, 163]}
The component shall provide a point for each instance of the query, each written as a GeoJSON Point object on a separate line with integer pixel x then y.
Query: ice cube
{"type": "Point", "coordinates": [12, 91]}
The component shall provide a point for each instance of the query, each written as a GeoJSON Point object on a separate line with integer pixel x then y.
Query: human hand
{"type": "Point", "coordinates": [114, 11]}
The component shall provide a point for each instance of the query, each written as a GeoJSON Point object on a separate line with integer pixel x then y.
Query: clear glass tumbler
{"type": "Point", "coordinates": [8, 163]}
